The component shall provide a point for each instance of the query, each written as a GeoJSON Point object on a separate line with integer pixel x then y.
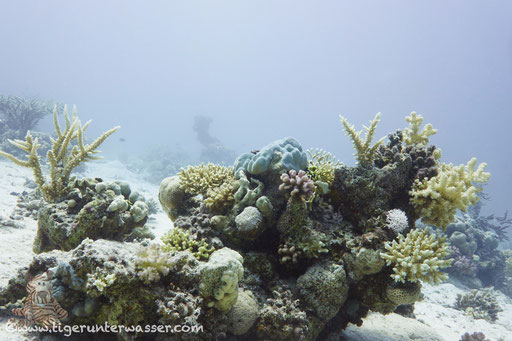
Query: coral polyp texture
{"type": "Point", "coordinates": [63, 156]}
{"type": "Point", "coordinates": [278, 247]}
{"type": "Point", "coordinates": [418, 256]}
{"type": "Point", "coordinates": [437, 199]}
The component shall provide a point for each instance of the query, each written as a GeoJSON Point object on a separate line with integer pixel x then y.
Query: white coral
{"type": "Point", "coordinates": [396, 220]}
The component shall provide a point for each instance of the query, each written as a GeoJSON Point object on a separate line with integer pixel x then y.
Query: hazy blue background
{"type": "Point", "coordinates": [268, 69]}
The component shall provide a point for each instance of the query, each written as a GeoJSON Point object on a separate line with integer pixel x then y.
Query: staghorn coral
{"type": "Point", "coordinates": [321, 165]}
{"type": "Point", "coordinates": [396, 220]}
{"type": "Point", "coordinates": [22, 114]}
{"type": "Point", "coordinates": [62, 160]}
{"type": "Point", "coordinates": [413, 135]}
{"type": "Point", "coordinates": [419, 256]}
{"type": "Point", "coordinates": [298, 185]}
{"type": "Point", "coordinates": [364, 152]}
{"type": "Point", "coordinates": [178, 240]}
{"type": "Point", "coordinates": [480, 304]}
{"type": "Point", "coordinates": [437, 199]}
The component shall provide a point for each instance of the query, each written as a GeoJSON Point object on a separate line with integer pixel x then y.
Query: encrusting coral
{"type": "Point", "coordinates": [62, 160]}
{"type": "Point", "coordinates": [364, 152]}
{"type": "Point", "coordinates": [419, 256]}
{"type": "Point", "coordinates": [437, 199]}
{"type": "Point", "coordinates": [413, 135]}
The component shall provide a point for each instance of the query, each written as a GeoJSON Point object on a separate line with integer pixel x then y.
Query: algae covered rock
{"type": "Point", "coordinates": [243, 314]}
{"type": "Point", "coordinates": [249, 223]}
{"type": "Point", "coordinates": [98, 211]}
{"type": "Point", "coordinates": [324, 287]}
{"type": "Point", "coordinates": [172, 195]}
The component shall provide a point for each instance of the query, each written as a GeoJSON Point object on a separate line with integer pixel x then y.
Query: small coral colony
{"type": "Point", "coordinates": [286, 244]}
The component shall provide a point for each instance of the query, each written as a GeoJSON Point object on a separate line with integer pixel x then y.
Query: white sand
{"type": "Point", "coordinates": [435, 317]}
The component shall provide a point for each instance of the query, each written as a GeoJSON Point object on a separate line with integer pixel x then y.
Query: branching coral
{"type": "Point", "coordinates": [62, 160]}
{"type": "Point", "coordinates": [298, 185]}
{"type": "Point", "coordinates": [437, 199]}
{"type": "Point", "coordinates": [413, 135]}
{"type": "Point", "coordinates": [321, 165]}
{"type": "Point", "coordinates": [22, 114]}
{"type": "Point", "coordinates": [152, 262]}
{"type": "Point", "coordinates": [215, 182]}
{"type": "Point", "coordinates": [419, 256]}
{"type": "Point", "coordinates": [480, 304]}
{"type": "Point", "coordinates": [179, 240]}
{"type": "Point", "coordinates": [364, 152]}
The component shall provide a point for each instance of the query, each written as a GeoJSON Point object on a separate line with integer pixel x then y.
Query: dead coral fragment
{"type": "Point", "coordinates": [62, 160]}
{"type": "Point", "coordinates": [437, 199]}
{"type": "Point", "coordinates": [364, 152]}
{"type": "Point", "coordinates": [297, 184]}
{"type": "Point", "coordinates": [419, 256]}
{"type": "Point", "coordinates": [413, 135]}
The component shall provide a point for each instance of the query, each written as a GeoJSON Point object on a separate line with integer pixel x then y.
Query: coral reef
{"type": "Point", "coordinates": [247, 259]}
{"type": "Point", "coordinates": [212, 149]}
{"type": "Point", "coordinates": [92, 209]}
{"type": "Point", "coordinates": [480, 304]}
{"type": "Point", "coordinates": [20, 114]}
{"type": "Point", "coordinates": [418, 256]}
{"type": "Point", "coordinates": [62, 160]}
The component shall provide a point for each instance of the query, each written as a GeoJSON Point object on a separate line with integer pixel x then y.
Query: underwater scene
{"type": "Point", "coordinates": [255, 171]}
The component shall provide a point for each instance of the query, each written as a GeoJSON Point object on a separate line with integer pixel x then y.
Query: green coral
{"type": "Point", "coordinates": [321, 165]}
{"type": "Point", "coordinates": [62, 160]}
{"type": "Point", "coordinates": [179, 240]}
{"type": "Point", "coordinates": [437, 199]}
{"type": "Point", "coordinates": [419, 256]}
{"type": "Point", "coordinates": [413, 135]}
{"type": "Point", "coordinates": [215, 182]}
{"type": "Point", "coordinates": [364, 152]}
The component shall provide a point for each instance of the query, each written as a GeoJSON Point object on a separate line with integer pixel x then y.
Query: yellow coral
{"type": "Point", "coordinates": [364, 153]}
{"type": "Point", "coordinates": [419, 256]}
{"type": "Point", "coordinates": [414, 135]}
{"type": "Point", "coordinates": [322, 165]}
{"type": "Point", "coordinates": [179, 240]}
{"type": "Point", "coordinates": [215, 182]}
{"type": "Point", "coordinates": [437, 199]}
{"type": "Point", "coordinates": [62, 160]}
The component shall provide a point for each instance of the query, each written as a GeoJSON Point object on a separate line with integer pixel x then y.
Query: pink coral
{"type": "Point", "coordinates": [298, 184]}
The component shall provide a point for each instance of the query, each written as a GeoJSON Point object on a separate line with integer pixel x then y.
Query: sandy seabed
{"type": "Point", "coordinates": [436, 319]}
